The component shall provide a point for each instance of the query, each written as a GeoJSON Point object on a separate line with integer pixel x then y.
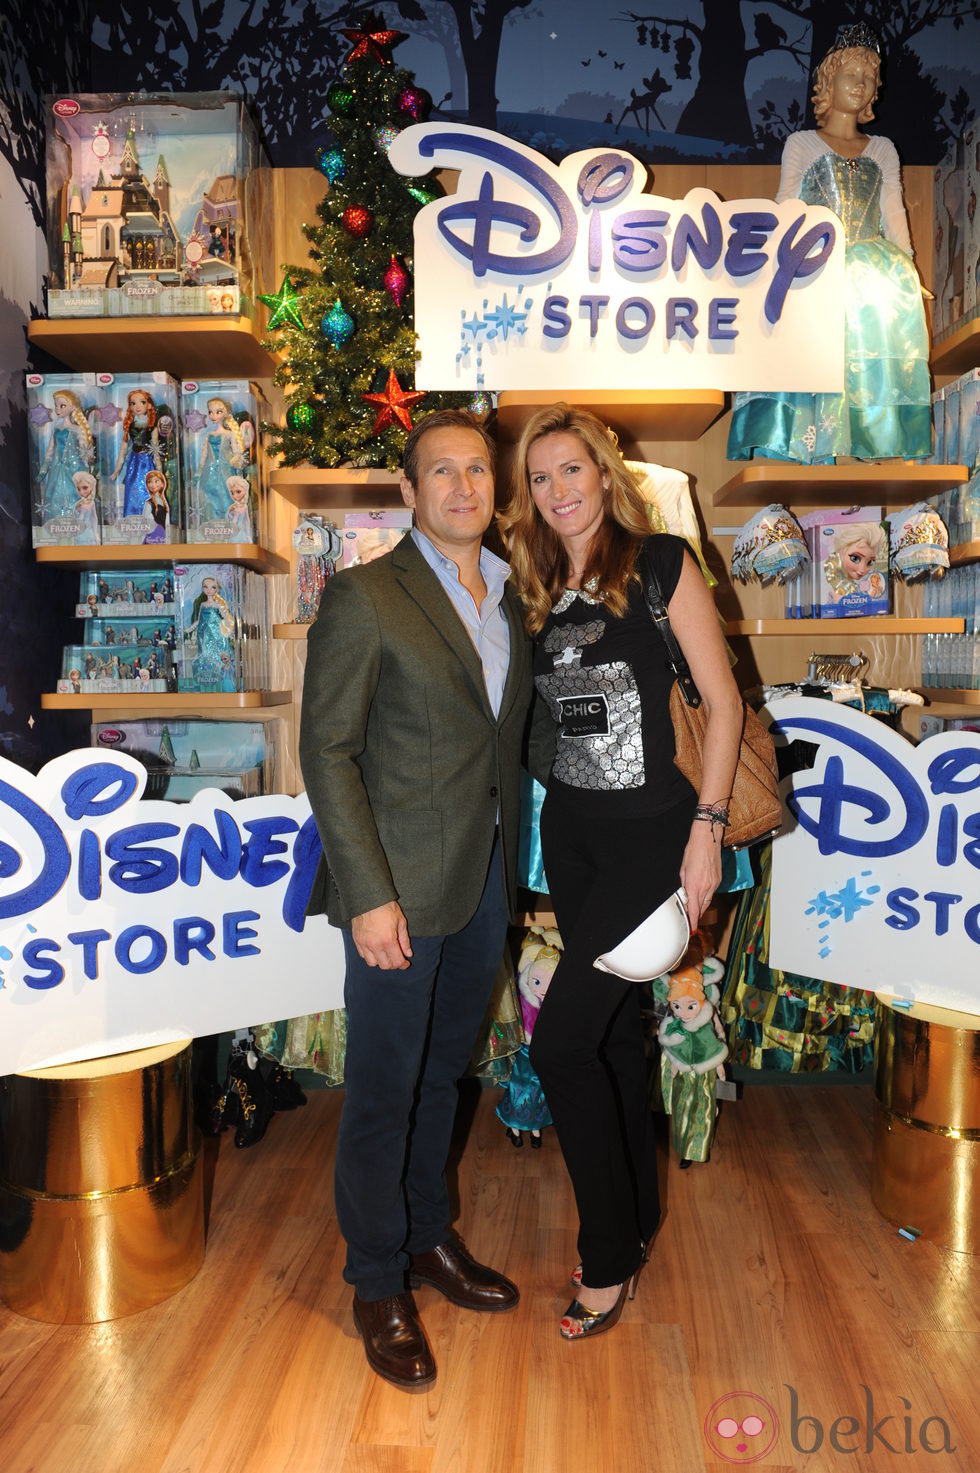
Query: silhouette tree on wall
{"type": "Point", "coordinates": [41, 50]}
{"type": "Point", "coordinates": [480, 26]}
{"type": "Point", "coordinates": [282, 54]}
{"type": "Point", "coordinates": [805, 29]}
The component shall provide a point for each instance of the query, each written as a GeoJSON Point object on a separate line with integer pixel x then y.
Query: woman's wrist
{"type": "Point", "coordinates": [714, 817]}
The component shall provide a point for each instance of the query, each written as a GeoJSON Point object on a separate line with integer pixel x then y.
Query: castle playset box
{"type": "Point", "coordinates": [158, 204]}
{"type": "Point", "coordinates": [183, 756]}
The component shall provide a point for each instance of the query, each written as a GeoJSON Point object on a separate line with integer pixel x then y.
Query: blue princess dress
{"type": "Point", "coordinates": [141, 458]}
{"type": "Point", "coordinates": [213, 478]}
{"type": "Point", "coordinates": [60, 491]}
{"type": "Point", "coordinates": [885, 408]}
{"type": "Point", "coordinates": [213, 667]}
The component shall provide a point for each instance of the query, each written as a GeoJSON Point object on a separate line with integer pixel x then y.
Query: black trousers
{"type": "Point", "coordinates": [604, 877]}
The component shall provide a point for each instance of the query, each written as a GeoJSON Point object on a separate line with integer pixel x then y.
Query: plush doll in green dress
{"type": "Point", "coordinates": [693, 1053]}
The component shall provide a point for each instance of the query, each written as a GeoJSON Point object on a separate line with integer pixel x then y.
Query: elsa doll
{"type": "Point", "coordinates": [213, 626]}
{"type": "Point", "coordinates": [224, 453]}
{"type": "Point", "coordinates": [71, 448]}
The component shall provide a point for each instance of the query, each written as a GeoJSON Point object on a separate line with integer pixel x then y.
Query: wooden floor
{"type": "Point", "coordinates": [773, 1276]}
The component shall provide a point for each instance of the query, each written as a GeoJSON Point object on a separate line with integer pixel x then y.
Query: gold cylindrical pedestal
{"type": "Point", "coordinates": [101, 1189]}
{"type": "Point", "coordinates": [926, 1154]}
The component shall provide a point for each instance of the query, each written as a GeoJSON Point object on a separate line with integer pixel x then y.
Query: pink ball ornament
{"type": "Point", "coordinates": [396, 281]}
{"type": "Point", "coordinates": [414, 102]}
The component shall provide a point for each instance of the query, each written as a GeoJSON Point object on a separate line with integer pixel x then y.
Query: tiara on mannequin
{"type": "Point", "coordinates": [859, 35]}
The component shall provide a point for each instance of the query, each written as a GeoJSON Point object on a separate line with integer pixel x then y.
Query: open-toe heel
{"type": "Point", "coordinates": [577, 1322]}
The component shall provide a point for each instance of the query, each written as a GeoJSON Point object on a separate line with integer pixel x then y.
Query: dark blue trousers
{"type": "Point", "coordinates": [410, 1035]}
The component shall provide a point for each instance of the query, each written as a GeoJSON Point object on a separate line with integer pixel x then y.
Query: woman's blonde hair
{"type": "Point", "coordinates": [538, 560]}
{"type": "Point", "coordinates": [823, 82]}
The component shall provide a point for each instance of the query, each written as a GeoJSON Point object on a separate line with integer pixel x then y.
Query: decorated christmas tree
{"type": "Point", "coordinates": [345, 324]}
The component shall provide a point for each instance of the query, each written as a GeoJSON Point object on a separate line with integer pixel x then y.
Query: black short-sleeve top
{"type": "Point", "coordinates": [606, 681]}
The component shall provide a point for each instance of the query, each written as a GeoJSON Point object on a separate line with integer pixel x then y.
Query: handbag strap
{"type": "Point", "coordinates": [654, 600]}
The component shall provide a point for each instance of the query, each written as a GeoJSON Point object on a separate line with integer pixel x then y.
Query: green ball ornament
{"type": "Point", "coordinates": [300, 416]}
{"type": "Point", "coordinates": [340, 98]}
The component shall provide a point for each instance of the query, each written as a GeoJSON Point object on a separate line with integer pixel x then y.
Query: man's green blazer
{"type": "Point", "coordinates": [405, 765]}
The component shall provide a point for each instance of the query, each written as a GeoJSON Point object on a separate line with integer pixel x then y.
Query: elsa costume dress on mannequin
{"type": "Point", "coordinates": [885, 408]}
{"type": "Point", "coordinates": [139, 461]}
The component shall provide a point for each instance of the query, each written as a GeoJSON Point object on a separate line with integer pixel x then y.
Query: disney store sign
{"type": "Point", "coordinates": [876, 877]}
{"type": "Point", "coordinates": [536, 276]}
{"type": "Point", "coordinates": [126, 923]}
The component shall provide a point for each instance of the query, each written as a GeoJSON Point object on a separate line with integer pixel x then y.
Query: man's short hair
{"type": "Point", "coordinates": [442, 419]}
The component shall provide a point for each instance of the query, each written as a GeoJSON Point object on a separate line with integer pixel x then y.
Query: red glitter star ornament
{"type": "Point", "coordinates": [395, 403]}
{"type": "Point", "coordinates": [375, 43]}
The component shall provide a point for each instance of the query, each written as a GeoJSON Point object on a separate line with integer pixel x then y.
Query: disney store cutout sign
{"type": "Point", "coordinates": [876, 876]}
{"type": "Point", "coordinates": [535, 275]}
{"type": "Point", "coordinates": [126, 923]}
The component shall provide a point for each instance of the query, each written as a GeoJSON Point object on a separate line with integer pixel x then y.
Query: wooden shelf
{"type": "Point", "coordinates": [248, 554]}
{"type": "Point", "coordinates": [312, 489]}
{"type": "Point", "coordinates": [290, 631]}
{"type": "Point", "coordinates": [966, 552]}
{"type": "Point", "coordinates": [938, 695]}
{"type": "Point", "coordinates": [635, 415]}
{"type": "Point", "coordinates": [194, 703]}
{"type": "Point", "coordinates": [885, 624]}
{"type": "Point", "coordinates": [187, 347]}
{"type": "Point", "coordinates": [960, 351]}
{"type": "Point", "coordinates": [891, 483]}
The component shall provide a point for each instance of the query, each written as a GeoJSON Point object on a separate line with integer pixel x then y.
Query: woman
{"type": "Point", "coordinates": [620, 826]}
{"type": "Point", "coordinates": [885, 409]}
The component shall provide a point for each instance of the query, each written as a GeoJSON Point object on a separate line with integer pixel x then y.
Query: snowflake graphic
{"type": "Point", "coordinates": [475, 325]}
{"type": "Point", "coordinates": [847, 902]}
{"type": "Point", "coordinates": [504, 319]}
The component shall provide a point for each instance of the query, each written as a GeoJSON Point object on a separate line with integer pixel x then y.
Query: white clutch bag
{"type": "Point", "coordinates": [655, 947]}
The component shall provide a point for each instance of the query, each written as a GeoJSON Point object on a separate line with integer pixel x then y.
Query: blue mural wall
{"type": "Point", "coordinates": [702, 80]}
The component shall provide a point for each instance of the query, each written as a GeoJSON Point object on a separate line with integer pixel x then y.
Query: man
{"type": "Point", "coordinates": [418, 681]}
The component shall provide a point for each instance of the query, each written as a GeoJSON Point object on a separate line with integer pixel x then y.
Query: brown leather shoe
{"type": "Point", "coordinates": [451, 1269]}
{"type": "Point", "coordinates": [395, 1342]}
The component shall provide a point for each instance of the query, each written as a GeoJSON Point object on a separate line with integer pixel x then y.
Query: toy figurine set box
{"type": "Point", "coordinates": [198, 627]}
{"type": "Point", "coordinates": [158, 204]}
{"type": "Point", "coordinates": [183, 756]}
{"type": "Point", "coordinates": [107, 452]}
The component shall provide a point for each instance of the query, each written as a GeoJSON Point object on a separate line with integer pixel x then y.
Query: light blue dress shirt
{"type": "Point", "coordinates": [487, 626]}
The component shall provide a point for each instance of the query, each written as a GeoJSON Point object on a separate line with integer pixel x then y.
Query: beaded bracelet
{"type": "Point", "coordinates": [713, 813]}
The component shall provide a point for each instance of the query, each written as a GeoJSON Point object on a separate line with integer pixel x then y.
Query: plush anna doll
{"type": "Point", "coordinates": [693, 1053]}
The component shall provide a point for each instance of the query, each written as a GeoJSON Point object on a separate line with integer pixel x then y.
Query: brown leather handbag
{"type": "Point", "coordinates": [754, 809]}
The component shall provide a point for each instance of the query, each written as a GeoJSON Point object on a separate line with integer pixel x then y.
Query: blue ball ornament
{"type": "Point", "coordinates": [330, 162]}
{"type": "Point", "coordinates": [337, 326]}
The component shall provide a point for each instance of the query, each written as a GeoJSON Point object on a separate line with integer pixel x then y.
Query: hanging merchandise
{"type": "Point", "coordinates": [318, 546]}
{"type": "Point", "coordinates": [771, 548]}
{"type": "Point", "coordinates": [918, 543]}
